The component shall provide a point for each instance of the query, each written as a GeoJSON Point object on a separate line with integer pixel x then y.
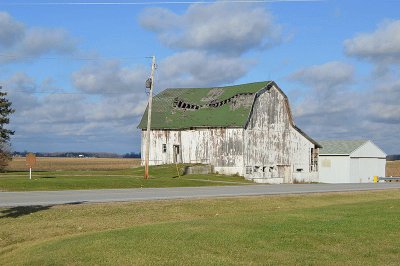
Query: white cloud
{"type": "Point", "coordinates": [385, 105]}
{"type": "Point", "coordinates": [382, 48]}
{"type": "Point", "coordinates": [109, 77]}
{"type": "Point", "coordinates": [159, 19]}
{"type": "Point", "coordinates": [197, 69]}
{"type": "Point", "coordinates": [72, 121]}
{"type": "Point", "coordinates": [38, 41]}
{"type": "Point", "coordinates": [323, 111]}
{"type": "Point", "coordinates": [325, 76]}
{"type": "Point", "coordinates": [24, 43]}
{"type": "Point", "coordinates": [382, 45]}
{"type": "Point", "coordinates": [21, 81]}
{"type": "Point", "coordinates": [335, 110]}
{"type": "Point", "coordinates": [10, 30]}
{"type": "Point", "coordinates": [219, 27]}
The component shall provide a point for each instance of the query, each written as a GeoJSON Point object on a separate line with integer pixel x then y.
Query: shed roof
{"type": "Point", "coordinates": [342, 147]}
{"type": "Point", "coordinates": [228, 106]}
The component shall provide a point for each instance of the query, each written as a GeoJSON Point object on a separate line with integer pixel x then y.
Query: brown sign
{"type": "Point", "coordinates": [30, 159]}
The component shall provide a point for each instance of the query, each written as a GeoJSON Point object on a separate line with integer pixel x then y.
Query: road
{"type": "Point", "coordinates": [10, 199]}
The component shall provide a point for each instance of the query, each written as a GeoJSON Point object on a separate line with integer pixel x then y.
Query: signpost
{"type": "Point", "coordinates": [30, 161]}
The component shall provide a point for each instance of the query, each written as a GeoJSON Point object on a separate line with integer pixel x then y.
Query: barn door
{"type": "Point", "coordinates": [285, 173]}
{"type": "Point", "coordinates": [177, 157]}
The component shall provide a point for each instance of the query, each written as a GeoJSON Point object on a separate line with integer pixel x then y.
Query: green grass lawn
{"type": "Point", "coordinates": [161, 176]}
{"type": "Point", "coordinates": [359, 228]}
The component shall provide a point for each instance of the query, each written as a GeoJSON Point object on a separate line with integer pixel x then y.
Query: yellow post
{"type": "Point", "coordinates": [376, 179]}
{"type": "Point", "coordinates": [177, 170]}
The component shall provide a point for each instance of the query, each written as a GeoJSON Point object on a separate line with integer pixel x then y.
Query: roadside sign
{"type": "Point", "coordinates": [31, 162]}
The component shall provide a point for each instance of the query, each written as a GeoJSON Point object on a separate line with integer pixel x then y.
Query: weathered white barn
{"type": "Point", "coordinates": [350, 161]}
{"type": "Point", "coordinates": [245, 129]}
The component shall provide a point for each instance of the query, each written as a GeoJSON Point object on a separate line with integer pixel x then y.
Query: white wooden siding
{"type": "Point", "coordinates": [362, 170]}
{"type": "Point", "coordinates": [221, 147]}
{"type": "Point", "coordinates": [334, 169]}
{"type": "Point", "coordinates": [275, 150]}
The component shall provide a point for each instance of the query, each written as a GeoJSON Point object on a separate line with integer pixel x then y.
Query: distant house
{"type": "Point", "coordinates": [245, 129]}
{"type": "Point", "coordinates": [350, 161]}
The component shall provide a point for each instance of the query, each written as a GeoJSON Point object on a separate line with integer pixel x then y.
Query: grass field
{"type": "Point", "coordinates": [102, 173]}
{"type": "Point", "coordinates": [160, 176]}
{"type": "Point", "coordinates": [65, 164]}
{"type": "Point", "coordinates": [360, 228]}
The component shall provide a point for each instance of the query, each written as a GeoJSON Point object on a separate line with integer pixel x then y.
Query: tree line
{"type": "Point", "coordinates": [80, 154]}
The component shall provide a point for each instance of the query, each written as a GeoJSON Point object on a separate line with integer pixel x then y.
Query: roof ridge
{"type": "Point", "coordinates": [218, 87]}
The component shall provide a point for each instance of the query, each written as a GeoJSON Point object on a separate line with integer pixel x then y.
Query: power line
{"type": "Point", "coordinates": [14, 56]}
{"type": "Point", "coordinates": [67, 93]}
{"type": "Point", "coordinates": [152, 3]}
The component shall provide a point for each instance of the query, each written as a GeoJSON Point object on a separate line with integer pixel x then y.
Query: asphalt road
{"type": "Point", "coordinates": [9, 199]}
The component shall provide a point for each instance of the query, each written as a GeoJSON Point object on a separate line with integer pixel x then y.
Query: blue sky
{"type": "Point", "coordinates": [75, 73]}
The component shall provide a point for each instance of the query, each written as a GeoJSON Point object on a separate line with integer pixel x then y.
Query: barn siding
{"type": "Point", "coordinates": [274, 150]}
{"type": "Point", "coordinates": [301, 158]}
{"type": "Point", "coordinates": [221, 147]}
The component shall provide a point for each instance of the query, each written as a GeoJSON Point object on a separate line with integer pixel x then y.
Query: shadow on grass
{"type": "Point", "coordinates": [48, 177]}
{"type": "Point", "coordinates": [15, 212]}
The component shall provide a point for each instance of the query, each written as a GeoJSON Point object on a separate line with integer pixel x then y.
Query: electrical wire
{"type": "Point", "coordinates": [67, 93]}
{"type": "Point", "coordinates": [14, 56]}
{"type": "Point", "coordinates": [152, 2]}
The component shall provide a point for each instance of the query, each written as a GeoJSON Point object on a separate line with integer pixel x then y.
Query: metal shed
{"type": "Point", "coordinates": [350, 161]}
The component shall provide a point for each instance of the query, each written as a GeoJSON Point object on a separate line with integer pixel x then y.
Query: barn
{"type": "Point", "coordinates": [350, 161]}
{"type": "Point", "coordinates": [244, 129]}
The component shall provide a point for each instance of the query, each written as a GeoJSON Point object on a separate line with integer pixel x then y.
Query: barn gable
{"type": "Point", "coordinates": [276, 150]}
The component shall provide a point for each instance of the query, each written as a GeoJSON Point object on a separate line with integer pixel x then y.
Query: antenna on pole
{"type": "Point", "coordinates": [150, 86]}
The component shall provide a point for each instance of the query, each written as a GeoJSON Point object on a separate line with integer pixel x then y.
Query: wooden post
{"type": "Point", "coordinates": [30, 161]}
{"type": "Point", "coordinates": [147, 154]}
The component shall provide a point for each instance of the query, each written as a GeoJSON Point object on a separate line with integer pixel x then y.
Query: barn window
{"type": "Point", "coordinates": [249, 170]}
{"type": "Point", "coordinates": [164, 148]}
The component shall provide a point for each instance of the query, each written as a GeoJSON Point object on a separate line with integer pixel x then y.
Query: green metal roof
{"type": "Point", "coordinates": [340, 146]}
{"type": "Point", "coordinates": [181, 108]}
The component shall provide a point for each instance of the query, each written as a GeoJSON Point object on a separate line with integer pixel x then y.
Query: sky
{"type": "Point", "coordinates": [75, 71]}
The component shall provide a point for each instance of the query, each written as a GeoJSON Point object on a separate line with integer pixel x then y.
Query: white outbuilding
{"type": "Point", "coordinates": [350, 161]}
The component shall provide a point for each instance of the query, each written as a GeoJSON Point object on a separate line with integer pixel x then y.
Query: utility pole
{"type": "Point", "coordinates": [151, 87]}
